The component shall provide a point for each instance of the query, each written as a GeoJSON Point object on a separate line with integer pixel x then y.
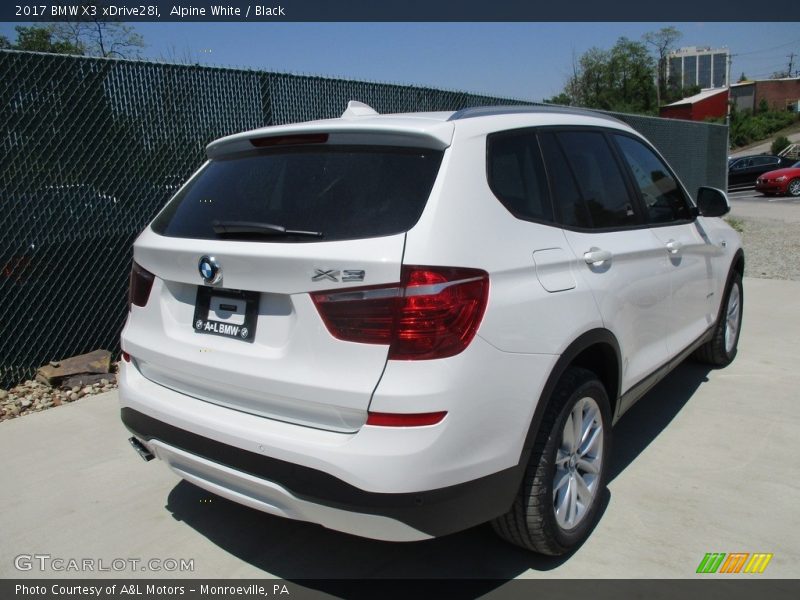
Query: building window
{"type": "Point", "coordinates": [704, 71]}
{"type": "Point", "coordinates": [689, 71]}
{"type": "Point", "coordinates": [676, 71]}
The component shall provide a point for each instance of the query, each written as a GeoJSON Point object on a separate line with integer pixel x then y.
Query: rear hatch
{"type": "Point", "coordinates": [269, 222]}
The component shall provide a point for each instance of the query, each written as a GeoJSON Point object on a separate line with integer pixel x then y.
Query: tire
{"type": "Point", "coordinates": [533, 521]}
{"type": "Point", "coordinates": [721, 349]}
{"type": "Point", "coordinates": [793, 188]}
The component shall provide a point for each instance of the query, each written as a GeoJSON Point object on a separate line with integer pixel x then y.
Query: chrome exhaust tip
{"type": "Point", "coordinates": [141, 450]}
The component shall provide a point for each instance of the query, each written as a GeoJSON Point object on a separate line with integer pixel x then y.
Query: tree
{"type": "Point", "coordinates": [662, 42]}
{"type": "Point", "coordinates": [41, 39]}
{"type": "Point", "coordinates": [562, 98]}
{"type": "Point", "coordinates": [91, 34]}
{"type": "Point", "coordinates": [742, 78]}
{"type": "Point", "coordinates": [99, 35]}
{"type": "Point", "coordinates": [617, 79]}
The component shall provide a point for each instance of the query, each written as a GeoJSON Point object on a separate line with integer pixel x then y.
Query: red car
{"type": "Point", "coordinates": [782, 181]}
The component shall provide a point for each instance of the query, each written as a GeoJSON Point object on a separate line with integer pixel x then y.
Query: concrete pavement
{"type": "Point", "coordinates": [704, 463]}
{"type": "Point", "coordinates": [765, 147]}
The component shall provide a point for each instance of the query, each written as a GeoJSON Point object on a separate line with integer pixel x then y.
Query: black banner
{"type": "Point", "coordinates": [400, 10]}
{"type": "Point", "coordinates": [704, 587]}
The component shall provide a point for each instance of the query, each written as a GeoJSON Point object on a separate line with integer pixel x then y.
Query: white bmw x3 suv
{"type": "Point", "coordinates": [401, 326]}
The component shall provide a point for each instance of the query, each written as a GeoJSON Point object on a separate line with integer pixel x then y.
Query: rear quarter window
{"type": "Point", "coordinates": [516, 175]}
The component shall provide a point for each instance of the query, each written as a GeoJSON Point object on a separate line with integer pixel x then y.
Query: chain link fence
{"type": "Point", "coordinates": [92, 148]}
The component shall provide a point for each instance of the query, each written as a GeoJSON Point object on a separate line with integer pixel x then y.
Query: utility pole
{"type": "Point", "coordinates": [791, 64]}
{"type": "Point", "coordinates": [728, 85]}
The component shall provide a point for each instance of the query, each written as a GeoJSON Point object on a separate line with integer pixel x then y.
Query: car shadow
{"type": "Point", "coordinates": [315, 557]}
{"type": "Point", "coordinates": [646, 419]}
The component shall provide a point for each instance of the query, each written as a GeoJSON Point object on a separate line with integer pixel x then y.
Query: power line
{"type": "Point", "coordinates": [767, 49]}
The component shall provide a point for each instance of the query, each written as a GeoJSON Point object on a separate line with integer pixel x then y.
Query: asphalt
{"type": "Point", "coordinates": [706, 462]}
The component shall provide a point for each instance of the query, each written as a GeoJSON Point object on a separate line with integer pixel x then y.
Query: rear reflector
{"type": "Point", "coordinates": [434, 312]}
{"type": "Point", "coordinates": [404, 420]}
{"type": "Point", "coordinates": [141, 282]}
{"type": "Point", "coordinates": [126, 357]}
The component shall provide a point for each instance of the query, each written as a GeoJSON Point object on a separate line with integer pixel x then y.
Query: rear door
{"type": "Point", "coordinates": [621, 260]}
{"type": "Point", "coordinates": [685, 244]}
{"type": "Point", "coordinates": [278, 224]}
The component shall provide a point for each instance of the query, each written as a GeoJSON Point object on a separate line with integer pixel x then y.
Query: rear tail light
{"type": "Point", "coordinates": [141, 283]}
{"type": "Point", "coordinates": [433, 312]}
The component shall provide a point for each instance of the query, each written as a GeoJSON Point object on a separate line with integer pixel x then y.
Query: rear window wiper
{"type": "Point", "coordinates": [248, 227]}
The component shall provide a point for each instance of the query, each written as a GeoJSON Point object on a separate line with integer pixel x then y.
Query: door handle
{"type": "Point", "coordinates": [595, 256]}
{"type": "Point", "coordinates": [674, 246]}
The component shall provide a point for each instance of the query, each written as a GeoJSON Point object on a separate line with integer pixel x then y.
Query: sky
{"type": "Point", "coordinates": [527, 61]}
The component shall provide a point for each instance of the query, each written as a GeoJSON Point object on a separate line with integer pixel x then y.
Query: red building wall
{"type": "Point", "coordinates": [714, 106]}
{"type": "Point", "coordinates": [681, 111]}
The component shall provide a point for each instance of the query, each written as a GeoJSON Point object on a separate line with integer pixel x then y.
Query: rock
{"type": "Point", "coordinates": [103, 382]}
{"type": "Point", "coordinates": [57, 401]}
{"type": "Point", "coordinates": [25, 403]}
{"type": "Point", "coordinates": [76, 388]}
{"type": "Point", "coordinates": [73, 396]}
{"type": "Point", "coordinates": [87, 390]}
{"type": "Point", "coordinates": [98, 361]}
{"type": "Point", "coordinates": [84, 379]}
{"type": "Point", "coordinates": [4, 394]}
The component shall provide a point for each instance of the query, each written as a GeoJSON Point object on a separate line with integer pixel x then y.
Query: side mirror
{"type": "Point", "coordinates": [712, 202]}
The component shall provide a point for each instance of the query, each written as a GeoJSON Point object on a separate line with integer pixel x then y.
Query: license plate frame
{"type": "Point", "coordinates": [202, 324]}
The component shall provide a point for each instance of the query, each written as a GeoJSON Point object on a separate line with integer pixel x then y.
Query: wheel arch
{"type": "Point", "coordinates": [596, 350]}
{"type": "Point", "coordinates": [737, 264]}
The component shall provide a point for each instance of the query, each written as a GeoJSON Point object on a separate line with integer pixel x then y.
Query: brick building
{"type": "Point", "coordinates": [780, 94]}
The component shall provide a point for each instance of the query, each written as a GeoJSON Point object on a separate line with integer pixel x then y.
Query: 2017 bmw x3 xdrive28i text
{"type": "Point", "coordinates": [401, 326]}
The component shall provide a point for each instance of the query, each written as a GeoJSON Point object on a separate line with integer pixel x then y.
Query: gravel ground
{"type": "Point", "coordinates": [32, 396]}
{"type": "Point", "coordinates": [770, 234]}
{"type": "Point", "coordinates": [772, 249]}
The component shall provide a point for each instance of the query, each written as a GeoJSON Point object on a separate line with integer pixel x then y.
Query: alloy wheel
{"type": "Point", "coordinates": [578, 463]}
{"type": "Point", "coordinates": [732, 318]}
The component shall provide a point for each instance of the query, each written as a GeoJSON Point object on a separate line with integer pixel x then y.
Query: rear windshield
{"type": "Point", "coordinates": [339, 192]}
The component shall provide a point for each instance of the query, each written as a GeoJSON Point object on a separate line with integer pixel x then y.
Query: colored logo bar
{"type": "Point", "coordinates": [735, 562]}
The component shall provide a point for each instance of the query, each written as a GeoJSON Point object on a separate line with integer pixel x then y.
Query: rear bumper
{"type": "Point", "coordinates": [301, 493]}
{"type": "Point", "coordinates": [429, 481]}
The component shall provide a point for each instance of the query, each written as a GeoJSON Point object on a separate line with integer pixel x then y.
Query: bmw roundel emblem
{"type": "Point", "coordinates": [210, 270]}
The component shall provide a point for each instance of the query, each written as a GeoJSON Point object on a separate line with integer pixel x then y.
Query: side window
{"type": "Point", "coordinates": [567, 199]}
{"type": "Point", "coordinates": [662, 196]}
{"type": "Point", "coordinates": [599, 178]}
{"type": "Point", "coordinates": [760, 161]}
{"type": "Point", "coordinates": [516, 175]}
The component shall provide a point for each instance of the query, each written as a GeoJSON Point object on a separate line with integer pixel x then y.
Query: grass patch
{"type": "Point", "coordinates": [737, 224]}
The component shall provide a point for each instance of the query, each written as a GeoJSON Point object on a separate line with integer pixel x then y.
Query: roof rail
{"type": "Point", "coordinates": [485, 111]}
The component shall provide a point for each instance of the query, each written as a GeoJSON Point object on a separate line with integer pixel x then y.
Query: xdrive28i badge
{"type": "Point", "coordinates": [210, 270]}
